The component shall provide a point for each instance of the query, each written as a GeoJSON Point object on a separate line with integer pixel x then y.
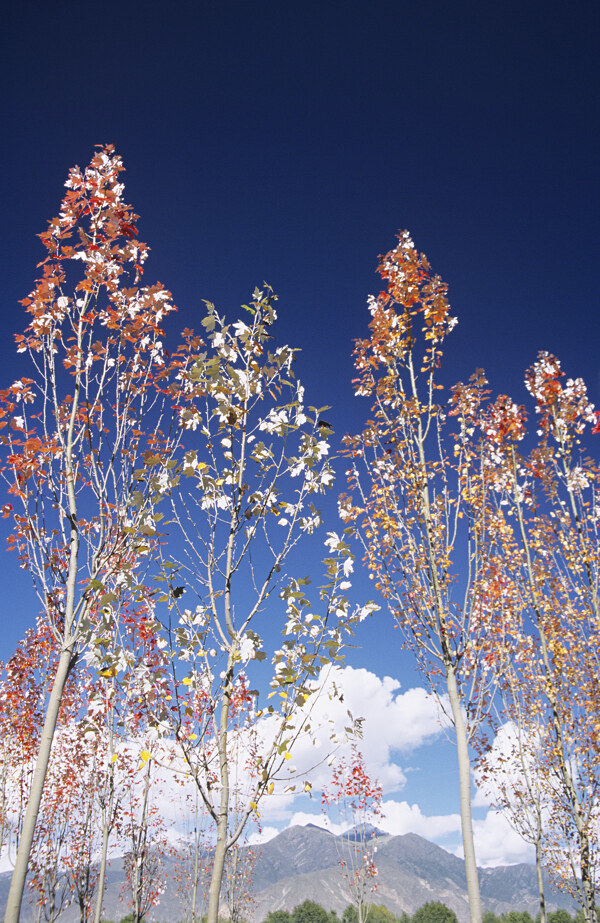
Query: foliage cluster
{"type": "Point", "coordinates": [431, 912]}
{"type": "Point", "coordinates": [158, 497]}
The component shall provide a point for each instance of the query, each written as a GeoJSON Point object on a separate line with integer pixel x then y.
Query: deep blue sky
{"type": "Point", "coordinates": [288, 142]}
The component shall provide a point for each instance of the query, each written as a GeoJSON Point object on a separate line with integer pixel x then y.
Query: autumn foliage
{"type": "Point", "coordinates": [106, 434]}
{"type": "Point", "coordinates": [158, 497]}
{"type": "Point", "coordinates": [354, 800]}
{"type": "Point", "coordinates": [440, 477]}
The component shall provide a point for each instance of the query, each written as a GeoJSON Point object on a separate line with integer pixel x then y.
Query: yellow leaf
{"type": "Point", "coordinates": [307, 786]}
{"type": "Point", "coordinates": [287, 756]}
{"type": "Point", "coordinates": [271, 788]}
{"type": "Point", "coordinates": [108, 672]}
{"type": "Point", "coordinates": [114, 758]}
{"type": "Point", "coordinates": [145, 756]}
{"type": "Point", "coordinates": [187, 681]}
{"type": "Point", "coordinates": [192, 736]}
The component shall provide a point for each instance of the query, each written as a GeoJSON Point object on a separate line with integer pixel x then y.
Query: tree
{"type": "Point", "coordinates": [509, 772]}
{"type": "Point", "coordinates": [118, 713]}
{"type": "Point", "coordinates": [90, 445]}
{"type": "Point", "coordinates": [434, 912]}
{"type": "Point", "coordinates": [190, 862]}
{"type": "Point", "coordinates": [413, 501]}
{"type": "Point", "coordinates": [490, 917]}
{"type": "Point", "coordinates": [517, 916]}
{"type": "Point", "coordinates": [544, 576]}
{"type": "Point", "coordinates": [309, 912]}
{"type": "Point", "coordinates": [379, 913]}
{"type": "Point", "coordinates": [560, 916]}
{"type": "Point", "coordinates": [63, 858]}
{"type": "Point", "coordinates": [254, 460]}
{"type": "Point", "coordinates": [144, 841]}
{"type": "Point", "coordinates": [77, 432]}
{"type": "Point", "coordinates": [358, 802]}
{"type": "Point", "coordinates": [278, 916]}
{"type": "Point", "coordinates": [22, 694]}
{"type": "Point", "coordinates": [238, 882]}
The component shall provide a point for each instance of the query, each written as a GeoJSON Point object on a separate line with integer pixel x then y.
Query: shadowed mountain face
{"type": "Point", "coordinates": [303, 862]}
{"type": "Point", "coordinates": [411, 871]}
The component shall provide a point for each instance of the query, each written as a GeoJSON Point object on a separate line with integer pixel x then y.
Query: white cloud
{"type": "Point", "coordinates": [393, 722]}
{"type": "Point", "coordinates": [497, 843]}
{"type": "Point", "coordinates": [502, 773]}
{"type": "Point", "coordinates": [304, 818]}
{"type": "Point", "coordinates": [262, 836]}
{"type": "Point", "coordinates": [399, 818]}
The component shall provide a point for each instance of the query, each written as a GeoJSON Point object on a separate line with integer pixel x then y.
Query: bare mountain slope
{"type": "Point", "coordinates": [303, 862]}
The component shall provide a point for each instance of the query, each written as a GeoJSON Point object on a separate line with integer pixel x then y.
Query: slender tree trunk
{"type": "Point", "coordinates": [196, 869]}
{"type": "Point", "coordinates": [51, 913]}
{"type": "Point", "coordinates": [216, 880]}
{"type": "Point", "coordinates": [540, 879]}
{"type": "Point", "coordinates": [464, 777]}
{"type": "Point", "coordinates": [589, 908]}
{"type": "Point", "coordinates": [140, 852]}
{"type": "Point", "coordinates": [106, 827]}
{"type": "Point", "coordinates": [17, 884]}
{"type": "Point", "coordinates": [101, 876]}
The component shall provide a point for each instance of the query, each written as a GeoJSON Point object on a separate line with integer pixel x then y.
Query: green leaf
{"type": "Point", "coordinates": [95, 585]}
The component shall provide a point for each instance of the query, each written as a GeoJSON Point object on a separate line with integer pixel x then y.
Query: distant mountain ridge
{"type": "Point", "coordinates": [411, 871]}
{"type": "Point", "coordinates": [303, 862]}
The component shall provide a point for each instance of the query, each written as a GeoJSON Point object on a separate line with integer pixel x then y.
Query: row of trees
{"type": "Point", "coordinates": [312, 912]}
{"type": "Point", "coordinates": [134, 476]}
{"type": "Point", "coordinates": [158, 498]}
{"type": "Point", "coordinates": [482, 534]}
{"type": "Point", "coordinates": [430, 912]}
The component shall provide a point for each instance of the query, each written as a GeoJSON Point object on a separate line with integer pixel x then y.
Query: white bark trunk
{"type": "Point", "coordinates": [540, 881]}
{"type": "Point", "coordinates": [216, 879]}
{"type": "Point", "coordinates": [104, 855]}
{"type": "Point", "coordinates": [464, 777]}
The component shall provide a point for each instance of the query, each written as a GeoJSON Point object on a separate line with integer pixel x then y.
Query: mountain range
{"type": "Point", "coordinates": [303, 862]}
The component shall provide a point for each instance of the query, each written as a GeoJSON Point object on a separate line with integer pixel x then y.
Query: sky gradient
{"type": "Point", "coordinates": [287, 143]}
